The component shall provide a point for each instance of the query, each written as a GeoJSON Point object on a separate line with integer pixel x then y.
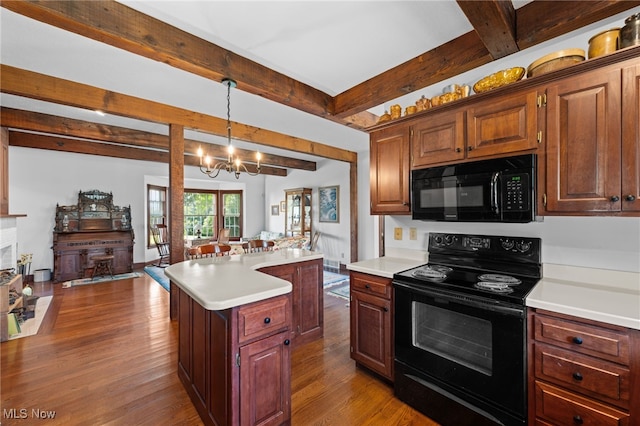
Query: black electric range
{"type": "Point", "coordinates": [498, 268]}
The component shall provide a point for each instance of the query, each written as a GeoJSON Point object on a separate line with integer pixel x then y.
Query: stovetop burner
{"type": "Point", "coordinates": [500, 268]}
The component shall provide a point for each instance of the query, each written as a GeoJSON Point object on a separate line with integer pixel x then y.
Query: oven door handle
{"type": "Point", "coordinates": [494, 192]}
{"type": "Point", "coordinates": [443, 298]}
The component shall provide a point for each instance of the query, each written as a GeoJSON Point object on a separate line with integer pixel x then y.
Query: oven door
{"type": "Point", "coordinates": [474, 349]}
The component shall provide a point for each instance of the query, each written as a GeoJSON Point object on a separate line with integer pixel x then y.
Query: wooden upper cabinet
{"type": "Point", "coordinates": [389, 170]}
{"type": "Point", "coordinates": [497, 126]}
{"type": "Point", "coordinates": [438, 138]}
{"type": "Point", "coordinates": [631, 138]}
{"type": "Point", "coordinates": [4, 171]}
{"type": "Point", "coordinates": [503, 125]}
{"type": "Point", "coordinates": [583, 150]}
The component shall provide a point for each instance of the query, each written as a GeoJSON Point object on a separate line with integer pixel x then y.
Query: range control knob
{"type": "Point", "coordinates": [523, 246]}
{"type": "Point", "coordinates": [508, 244]}
{"type": "Point", "coordinates": [437, 239]}
{"type": "Point", "coordinates": [448, 239]}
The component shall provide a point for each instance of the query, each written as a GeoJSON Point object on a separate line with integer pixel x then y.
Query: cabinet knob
{"type": "Point", "coordinates": [577, 420]}
{"type": "Point", "coordinates": [385, 309]}
{"type": "Point", "coordinates": [469, 148]}
{"type": "Point", "coordinates": [267, 320]}
{"type": "Point", "coordinates": [615, 198]}
{"type": "Point", "coordinates": [367, 286]}
{"type": "Point", "coordinates": [577, 340]}
{"type": "Point", "coordinates": [458, 150]}
{"type": "Point", "coordinates": [630, 197]}
{"type": "Point", "coordinates": [577, 376]}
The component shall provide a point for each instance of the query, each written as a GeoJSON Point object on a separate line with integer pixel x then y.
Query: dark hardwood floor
{"type": "Point", "coordinates": [106, 354]}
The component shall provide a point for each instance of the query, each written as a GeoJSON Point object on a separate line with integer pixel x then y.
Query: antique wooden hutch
{"type": "Point", "coordinates": [91, 228]}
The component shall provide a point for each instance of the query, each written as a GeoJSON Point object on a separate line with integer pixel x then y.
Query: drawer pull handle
{"type": "Point", "coordinates": [286, 342]}
{"type": "Point", "coordinates": [267, 320]}
{"type": "Point", "coordinates": [577, 340]}
{"type": "Point", "coordinates": [577, 420]}
{"type": "Point", "coordinates": [577, 376]}
{"type": "Point", "coordinates": [367, 286]}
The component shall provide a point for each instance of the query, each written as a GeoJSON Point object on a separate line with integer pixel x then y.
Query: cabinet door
{"type": "Point", "coordinates": [68, 265]}
{"type": "Point", "coordinates": [583, 143]}
{"type": "Point", "coordinates": [265, 381]}
{"type": "Point", "coordinates": [371, 333]}
{"type": "Point", "coordinates": [4, 171]}
{"type": "Point", "coordinates": [503, 125]}
{"type": "Point", "coordinates": [389, 171]}
{"type": "Point", "coordinates": [438, 139]}
{"type": "Point", "coordinates": [631, 138]}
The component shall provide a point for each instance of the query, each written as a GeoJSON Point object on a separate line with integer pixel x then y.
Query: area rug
{"type": "Point", "coordinates": [158, 275]}
{"type": "Point", "coordinates": [101, 279]}
{"type": "Point", "coordinates": [331, 278]}
{"type": "Point", "coordinates": [32, 325]}
{"type": "Point", "coordinates": [341, 291]}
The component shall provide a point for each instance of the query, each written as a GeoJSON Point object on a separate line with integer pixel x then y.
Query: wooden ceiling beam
{"type": "Point", "coordinates": [55, 125]}
{"type": "Point", "coordinates": [56, 143]}
{"type": "Point", "coordinates": [51, 89]}
{"type": "Point", "coordinates": [495, 23]}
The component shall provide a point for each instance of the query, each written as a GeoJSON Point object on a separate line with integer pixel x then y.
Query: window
{"type": "Point", "coordinates": [156, 209]}
{"type": "Point", "coordinates": [202, 211]}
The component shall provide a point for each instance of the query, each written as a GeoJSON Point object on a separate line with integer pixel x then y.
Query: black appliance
{"type": "Point", "coordinates": [496, 190]}
{"type": "Point", "coordinates": [460, 329]}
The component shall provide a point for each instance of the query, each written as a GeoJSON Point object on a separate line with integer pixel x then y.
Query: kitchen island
{"type": "Point", "coordinates": [235, 334]}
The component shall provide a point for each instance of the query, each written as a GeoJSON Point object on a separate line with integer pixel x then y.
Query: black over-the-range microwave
{"type": "Point", "coordinates": [496, 190]}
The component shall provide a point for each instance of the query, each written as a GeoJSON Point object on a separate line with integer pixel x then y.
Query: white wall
{"type": "Point", "coordinates": [595, 242]}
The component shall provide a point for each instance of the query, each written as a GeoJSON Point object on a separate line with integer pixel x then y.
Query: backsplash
{"type": "Point", "coordinates": [594, 242]}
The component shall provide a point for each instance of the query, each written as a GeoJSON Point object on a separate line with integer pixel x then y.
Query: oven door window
{"type": "Point", "coordinates": [458, 337]}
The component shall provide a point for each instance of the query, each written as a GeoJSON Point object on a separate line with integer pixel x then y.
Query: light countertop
{"type": "Point", "coordinates": [218, 283]}
{"type": "Point", "coordinates": [608, 296]}
{"type": "Point", "coordinates": [395, 260]}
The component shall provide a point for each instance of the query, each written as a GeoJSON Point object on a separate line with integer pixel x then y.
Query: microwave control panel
{"type": "Point", "coordinates": [515, 192]}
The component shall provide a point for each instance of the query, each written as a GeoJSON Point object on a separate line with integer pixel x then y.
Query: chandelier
{"type": "Point", "coordinates": [233, 164]}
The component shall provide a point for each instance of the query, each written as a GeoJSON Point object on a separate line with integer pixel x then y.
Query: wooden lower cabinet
{"type": "Point", "coordinates": [372, 323]}
{"type": "Point", "coordinates": [308, 302]}
{"type": "Point", "coordinates": [582, 372]}
{"type": "Point", "coordinates": [236, 363]}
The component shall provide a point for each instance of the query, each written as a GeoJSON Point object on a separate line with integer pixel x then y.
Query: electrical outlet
{"type": "Point", "coordinates": [397, 233]}
{"type": "Point", "coordinates": [413, 234]}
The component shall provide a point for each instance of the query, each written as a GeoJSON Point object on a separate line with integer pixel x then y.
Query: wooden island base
{"type": "Point", "coordinates": [236, 363]}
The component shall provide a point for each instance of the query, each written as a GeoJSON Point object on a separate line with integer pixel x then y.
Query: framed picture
{"type": "Point", "coordinates": [275, 210]}
{"type": "Point", "coordinates": [329, 203]}
{"type": "Point", "coordinates": [283, 206]}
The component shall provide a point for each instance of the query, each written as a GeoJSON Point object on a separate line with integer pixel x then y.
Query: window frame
{"type": "Point", "coordinates": [163, 203]}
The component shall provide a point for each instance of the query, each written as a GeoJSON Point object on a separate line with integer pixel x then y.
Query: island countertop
{"type": "Point", "coordinates": [223, 282]}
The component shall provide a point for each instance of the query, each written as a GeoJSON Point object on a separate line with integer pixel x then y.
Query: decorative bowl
{"type": "Point", "coordinates": [555, 61]}
{"type": "Point", "coordinates": [499, 79]}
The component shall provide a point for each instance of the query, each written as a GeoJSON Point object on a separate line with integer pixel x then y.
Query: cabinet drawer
{"type": "Point", "coordinates": [263, 318]}
{"type": "Point", "coordinates": [565, 408]}
{"type": "Point", "coordinates": [584, 338]}
{"type": "Point", "coordinates": [593, 377]}
{"type": "Point", "coordinates": [371, 284]}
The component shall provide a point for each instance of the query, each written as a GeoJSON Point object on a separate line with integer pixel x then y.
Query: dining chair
{"type": "Point", "coordinates": [260, 245]}
{"type": "Point", "coordinates": [223, 235]}
{"type": "Point", "coordinates": [192, 252]}
{"type": "Point", "coordinates": [314, 241]}
{"type": "Point", "coordinates": [207, 250]}
{"type": "Point", "coordinates": [222, 249]}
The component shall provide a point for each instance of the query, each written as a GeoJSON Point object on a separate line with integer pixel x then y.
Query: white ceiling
{"type": "Point", "coordinates": [330, 45]}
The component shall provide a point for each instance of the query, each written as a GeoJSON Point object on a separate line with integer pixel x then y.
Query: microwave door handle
{"type": "Point", "coordinates": [494, 192]}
